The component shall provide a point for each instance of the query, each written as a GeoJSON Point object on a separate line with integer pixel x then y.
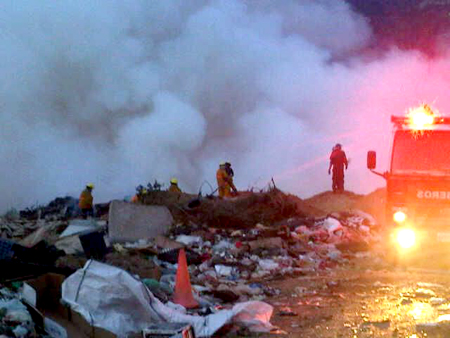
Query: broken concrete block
{"type": "Point", "coordinates": [129, 222]}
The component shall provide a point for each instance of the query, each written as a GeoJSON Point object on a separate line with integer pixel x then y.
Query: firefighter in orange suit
{"type": "Point", "coordinates": [224, 181]}
{"type": "Point", "coordinates": [139, 196]}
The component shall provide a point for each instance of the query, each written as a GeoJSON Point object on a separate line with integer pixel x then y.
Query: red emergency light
{"type": "Point", "coordinates": [401, 121]}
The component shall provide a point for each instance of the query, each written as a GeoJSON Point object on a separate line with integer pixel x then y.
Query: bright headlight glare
{"type": "Point", "coordinates": [406, 238]}
{"type": "Point", "coordinates": [399, 216]}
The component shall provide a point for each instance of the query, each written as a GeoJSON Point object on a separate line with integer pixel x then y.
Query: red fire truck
{"type": "Point", "coordinates": [418, 181]}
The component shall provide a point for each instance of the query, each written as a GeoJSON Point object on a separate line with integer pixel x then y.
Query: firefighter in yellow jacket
{"type": "Point", "coordinates": [174, 186]}
{"type": "Point", "coordinates": [224, 181]}
{"type": "Point", "coordinates": [139, 196]}
{"type": "Point", "coordinates": [86, 202]}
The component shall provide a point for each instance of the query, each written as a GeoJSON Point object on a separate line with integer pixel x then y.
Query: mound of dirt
{"type": "Point", "coordinates": [267, 208]}
{"type": "Point", "coordinates": [243, 211]}
{"type": "Point", "coordinates": [328, 202]}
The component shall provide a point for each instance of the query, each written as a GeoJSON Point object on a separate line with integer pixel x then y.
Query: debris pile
{"type": "Point", "coordinates": [15, 320]}
{"type": "Point", "coordinates": [239, 213]}
{"type": "Point", "coordinates": [19, 317]}
{"type": "Point", "coordinates": [233, 247]}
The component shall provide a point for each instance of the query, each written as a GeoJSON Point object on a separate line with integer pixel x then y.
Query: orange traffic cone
{"type": "Point", "coordinates": [183, 289]}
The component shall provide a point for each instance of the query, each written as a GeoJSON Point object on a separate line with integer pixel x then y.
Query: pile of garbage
{"type": "Point", "coordinates": [228, 265]}
{"type": "Point", "coordinates": [234, 248]}
{"type": "Point", "coordinates": [15, 320]}
{"type": "Point", "coordinates": [60, 208]}
{"type": "Point", "coordinates": [19, 316]}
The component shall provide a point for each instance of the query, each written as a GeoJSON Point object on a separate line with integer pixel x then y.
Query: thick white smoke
{"type": "Point", "coordinates": [123, 92]}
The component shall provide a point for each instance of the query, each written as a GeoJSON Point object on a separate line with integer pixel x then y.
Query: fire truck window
{"type": "Point", "coordinates": [425, 151]}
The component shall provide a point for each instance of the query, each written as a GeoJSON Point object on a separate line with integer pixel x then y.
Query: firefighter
{"type": "Point", "coordinates": [230, 173]}
{"type": "Point", "coordinates": [338, 161]}
{"type": "Point", "coordinates": [223, 181]}
{"type": "Point", "coordinates": [229, 170]}
{"type": "Point", "coordinates": [139, 196]}
{"type": "Point", "coordinates": [174, 186]}
{"type": "Point", "coordinates": [86, 202]}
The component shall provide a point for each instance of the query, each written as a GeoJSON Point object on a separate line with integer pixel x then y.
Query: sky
{"type": "Point", "coordinates": [120, 93]}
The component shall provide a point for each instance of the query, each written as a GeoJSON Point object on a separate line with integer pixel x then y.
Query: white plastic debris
{"type": "Point", "coordinates": [364, 228]}
{"type": "Point", "coordinates": [334, 255]}
{"type": "Point", "coordinates": [332, 225]}
{"type": "Point", "coordinates": [437, 301]}
{"type": "Point", "coordinates": [176, 307]}
{"type": "Point", "coordinates": [15, 311]}
{"type": "Point", "coordinates": [430, 285]}
{"type": "Point", "coordinates": [139, 244]}
{"type": "Point", "coordinates": [303, 229]}
{"type": "Point", "coordinates": [223, 270]}
{"type": "Point", "coordinates": [28, 294]}
{"type": "Point", "coordinates": [189, 240]}
{"type": "Point", "coordinates": [268, 264]}
{"type": "Point", "coordinates": [254, 315]}
{"type": "Point", "coordinates": [222, 245]}
{"type": "Point", "coordinates": [85, 292]}
{"type": "Point", "coordinates": [20, 332]}
{"type": "Point", "coordinates": [425, 293]}
{"type": "Point", "coordinates": [78, 226]}
{"type": "Point", "coordinates": [54, 329]}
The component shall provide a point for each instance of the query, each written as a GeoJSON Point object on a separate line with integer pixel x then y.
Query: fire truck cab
{"type": "Point", "coordinates": [418, 181]}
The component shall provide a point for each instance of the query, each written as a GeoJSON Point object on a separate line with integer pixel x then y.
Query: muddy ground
{"type": "Point", "coordinates": [367, 298]}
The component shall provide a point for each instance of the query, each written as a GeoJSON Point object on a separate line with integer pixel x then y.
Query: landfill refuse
{"type": "Point", "coordinates": [234, 249]}
{"type": "Point", "coordinates": [181, 330]}
{"type": "Point", "coordinates": [131, 307]}
{"type": "Point", "coordinates": [17, 321]}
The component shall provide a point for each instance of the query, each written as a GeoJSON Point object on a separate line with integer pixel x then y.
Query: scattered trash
{"type": "Point", "coordinates": [169, 330]}
{"type": "Point", "coordinates": [266, 243]}
{"type": "Point", "coordinates": [232, 250]}
{"type": "Point", "coordinates": [268, 264]}
{"type": "Point", "coordinates": [425, 293]}
{"type": "Point", "coordinates": [189, 240]}
{"type": "Point", "coordinates": [287, 312]}
{"type": "Point", "coordinates": [223, 270]}
{"type": "Point", "coordinates": [84, 291]}
{"type": "Point", "coordinates": [437, 301]}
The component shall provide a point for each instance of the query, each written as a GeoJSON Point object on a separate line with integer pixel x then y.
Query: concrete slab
{"type": "Point", "coordinates": [129, 222]}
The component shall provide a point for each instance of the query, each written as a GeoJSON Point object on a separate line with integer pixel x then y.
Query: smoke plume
{"type": "Point", "coordinates": [124, 92]}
